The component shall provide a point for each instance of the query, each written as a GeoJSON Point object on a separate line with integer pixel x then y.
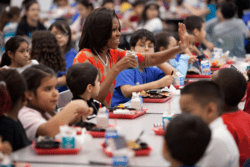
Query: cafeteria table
{"type": "Point", "coordinates": [92, 151]}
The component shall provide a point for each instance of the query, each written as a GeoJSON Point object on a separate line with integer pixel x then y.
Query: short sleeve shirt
{"type": "Point", "coordinates": [31, 119]}
{"type": "Point", "coordinates": [133, 77]}
{"type": "Point", "coordinates": [85, 55]}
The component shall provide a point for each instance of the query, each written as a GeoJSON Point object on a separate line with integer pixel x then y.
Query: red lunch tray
{"type": "Point", "coordinates": [98, 134]}
{"type": "Point", "coordinates": [157, 100]}
{"type": "Point", "coordinates": [128, 116]}
{"type": "Point", "coordinates": [230, 62]}
{"type": "Point", "coordinates": [54, 151]}
{"type": "Point", "coordinates": [142, 152]}
{"type": "Point", "coordinates": [198, 76]}
{"type": "Point", "coordinates": [159, 130]}
{"type": "Point", "coordinates": [218, 68]}
{"type": "Point", "coordinates": [178, 86]}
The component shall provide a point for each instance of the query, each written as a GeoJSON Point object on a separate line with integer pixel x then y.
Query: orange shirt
{"type": "Point", "coordinates": [86, 56]}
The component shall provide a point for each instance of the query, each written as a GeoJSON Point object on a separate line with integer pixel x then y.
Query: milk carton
{"type": "Point", "coordinates": [178, 79]}
{"type": "Point", "coordinates": [132, 53]}
{"type": "Point", "coordinates": [136, 101]}
{"type": "Point", "coordinates": [166, 118]}
{"type": "Point", "coordinates": [205, 66]}
{"type": "Point", "coordinates": [102, 119]}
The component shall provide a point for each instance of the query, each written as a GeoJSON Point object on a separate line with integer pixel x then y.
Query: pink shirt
{"type": "Point", "coordinates": [31, 119]}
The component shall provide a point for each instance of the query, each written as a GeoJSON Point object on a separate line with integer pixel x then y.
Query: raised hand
{"type": "Point", "coordinates": [184, 37]}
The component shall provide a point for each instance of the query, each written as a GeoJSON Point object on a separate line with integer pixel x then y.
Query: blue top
{"type": "Point", "coordinates": [69, 58]}
{"type": "Point", "coordinates": [212, 14]}
{"type": "Point", "coordinates": [180, 63]}
{"type": "Point", "coordinates": [132, 77]}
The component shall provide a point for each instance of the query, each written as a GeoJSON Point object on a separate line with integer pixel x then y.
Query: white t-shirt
{"type": "Point", "coordinates": [152, 25]}
{"type": "Point", "coordinates": [31, 119]}
{"type": "Point", "coordinates": [21, 69]}
{"type": "Point", "coordinates": [222, 150]}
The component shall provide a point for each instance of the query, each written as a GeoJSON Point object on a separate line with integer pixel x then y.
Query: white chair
{"type": "Point", "coordinates": [64, 98]}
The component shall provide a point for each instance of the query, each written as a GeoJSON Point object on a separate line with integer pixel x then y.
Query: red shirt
{"type": "Point", "coordinates": [247, 104]}
{"type": "Point", "coordinates": [238, 123]}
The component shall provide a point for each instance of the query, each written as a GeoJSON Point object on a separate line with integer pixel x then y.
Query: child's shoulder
{"type": "Point", "coordinates": [26, 110]}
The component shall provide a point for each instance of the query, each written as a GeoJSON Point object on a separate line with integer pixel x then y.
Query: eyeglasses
{"type": "Point", "coordinates": [61, 34]}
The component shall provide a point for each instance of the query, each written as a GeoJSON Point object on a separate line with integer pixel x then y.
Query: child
{"type": "Point", "coordinates": [150, 17]}
{"type": "Point", "coordinates": [84, 82]}
{"type": "Point", "coordinates": [38, 117]}
{"type": "Point", "coordinates": [196, 25]}
{"type": "Point", "coordinates": [9, 21]}
{"type": "Point", "coordinates": [165, 41]}
{"type": "Point", "coordinates": [129, 81]}
{"type": "Point", "coordinates": [232, 31]}
{"type": "Point", "coordinates": [109, 4]}
{"type": "Point", "coordinates": [16, 54]}
{"type": "Point", "coordinates": [46, 50]}
{"type": "Point", "coordinates": [84, 8]}
{"type": "Point", "coordinates": [62, 33]}
{"type": "Point", "coordinates": [12, 88]}
{"type": "Point", "coordinates": [184, 133]}
{"type": "Point", "coordinates": [205, 99]}
{"type": "Point", "coordinates": [30, 21]}
{"type": "Point", "coordinates": [233, 85]}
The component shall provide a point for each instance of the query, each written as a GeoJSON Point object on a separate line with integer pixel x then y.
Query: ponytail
{"type": "Point", "coordinates": [5, 100]}
{"type": "Point", "coordinates": [12, 88]}
{"type": "Point", "coordinates": [6, 60]}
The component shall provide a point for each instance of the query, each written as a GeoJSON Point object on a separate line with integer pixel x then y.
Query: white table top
{"type": "Point", "coordinates": [92, 150]}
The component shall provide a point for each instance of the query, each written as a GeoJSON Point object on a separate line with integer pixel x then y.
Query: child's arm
{"type": "Point", "coordinates": [166, 68]}
{"type": "Point", "coordinates": [163, 82]}
{"type": "Point", "coordinates": [76, 108]}
{"type": "Point", "coordinates": [61, 81]}
{"type": "Point", "coordinates": [196, 11]}
{"type": "Point", "coordinates": [196, 51]}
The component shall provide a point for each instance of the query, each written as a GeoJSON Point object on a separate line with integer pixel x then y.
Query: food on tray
{"type": "Point", "coordinates": [154, 94]}
{"type": "Point", "coordinates": [46, 142]}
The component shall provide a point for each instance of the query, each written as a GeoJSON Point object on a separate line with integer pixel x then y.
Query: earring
{"type": "Point", "coordinates": [30, 98]}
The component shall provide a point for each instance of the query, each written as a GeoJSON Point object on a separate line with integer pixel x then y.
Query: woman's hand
{"type": "Point", "coordinates": [126, 62]}
{"type": "Point", "coordinates": [184, 37]}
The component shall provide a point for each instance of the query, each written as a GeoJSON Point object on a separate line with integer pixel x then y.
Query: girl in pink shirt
{"type": "Point", "coordinates": [38, 117]}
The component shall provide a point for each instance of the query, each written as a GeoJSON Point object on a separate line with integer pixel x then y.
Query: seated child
{"type": "Point", "coordinates": [233, 85]}
{"type": "Point", "coordinates": [12, 88]}
{"type": "Point", "coordinates": [205, 99]}
{"type": "Point", "coordinates": [196, 25]}
{"type": "Point", "coordinates": [16, 55]}
{"type": "Point", "coordinates": [184, 133]}
{"type": "Point", "coordinates": [129, 81]}
{"type": "Point", "coordinates": [232, 31]}
{"type": "Point", "coordinates": [38, 117]}
{"type": "Point", "coordinates": [83, 81]}
{"type": "Point", "coordinates": [165, 41]}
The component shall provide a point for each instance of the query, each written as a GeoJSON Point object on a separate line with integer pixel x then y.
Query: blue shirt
{"type": "Point", "coordinates": [132, 77]}
{"type": "Point", "coordinates": [69, 58]}
{"type": "Point", "coordinates": [212, 14]}
{"type": "Point", "coordinates": [180, 63]}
